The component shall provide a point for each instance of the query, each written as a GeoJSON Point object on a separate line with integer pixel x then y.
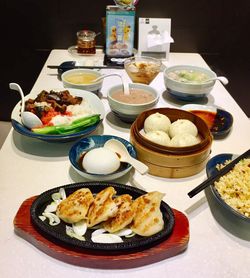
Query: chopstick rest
{"type": "Point", "coordinates": [214, 178]}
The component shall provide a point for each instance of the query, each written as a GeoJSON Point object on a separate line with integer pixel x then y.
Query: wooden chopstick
{"type": "Point", "coordinates": [220, 173]}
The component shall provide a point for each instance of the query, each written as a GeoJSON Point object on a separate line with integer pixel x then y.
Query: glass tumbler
{"type": "Point", "coordinates": [86, 42]}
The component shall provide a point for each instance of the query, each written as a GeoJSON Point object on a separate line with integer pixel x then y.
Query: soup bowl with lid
{"type": "Point", "coordinates": [142, 97]}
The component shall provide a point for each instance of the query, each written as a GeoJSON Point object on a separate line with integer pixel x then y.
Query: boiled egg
{"type": "Point", "coordinates": [101, 161]}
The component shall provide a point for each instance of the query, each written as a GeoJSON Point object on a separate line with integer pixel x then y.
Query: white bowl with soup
{"type": "Point", "coordinates": [127, 107]}
{"type": "Point", "coordinates": [82, 79]}
{"type": "Point", "coordinates": [187, 82]}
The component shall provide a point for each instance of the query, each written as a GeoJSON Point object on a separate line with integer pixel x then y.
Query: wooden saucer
{"type": "Point", "coordinates": [175, 244]}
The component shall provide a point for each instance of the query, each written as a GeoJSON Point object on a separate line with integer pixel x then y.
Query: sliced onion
{"type": "Point", "coordinates": [56, 197]}
{"type": "Point", "coordinates": [70, 232]}
{"type": "Point", "coordinates": [131, 235]}
{"type": "Point", "coordinates": [106, 238]}
{"type": "Point", "coordinates": [96, 227]}
{"type": "Point", "coordinates": [42, 217]}
{"type": "Point", "coordinates": [53, 219]}
{"type": "Point", "coordinates": [98, 232]}
{"type": "Point", "coordinates": [62, 193]}
{"type": "Point", "coordinates": [51, 207]}
{"type": "Point", "coordinates": [80, 227]}
{"type": "Point", "coordinates": [123, 232]}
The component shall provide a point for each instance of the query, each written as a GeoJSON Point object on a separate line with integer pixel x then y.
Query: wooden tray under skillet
{"type": "Point", "coordinates": [173, 245]}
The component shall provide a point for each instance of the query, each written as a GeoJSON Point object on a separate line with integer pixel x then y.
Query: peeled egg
{"type": "Point", "coordinates": [159, 137]}
{"type": "Point", "coordinates": [101, 161]}
{"type": "Point", "coordinates": [157, 121]}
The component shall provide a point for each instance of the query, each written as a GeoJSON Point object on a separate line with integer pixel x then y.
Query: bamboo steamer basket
{"type": "Point", "coordinates": [172, 162]}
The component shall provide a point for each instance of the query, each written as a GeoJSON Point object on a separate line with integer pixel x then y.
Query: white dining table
{"type": "Point", "coordinates": [30, 167]}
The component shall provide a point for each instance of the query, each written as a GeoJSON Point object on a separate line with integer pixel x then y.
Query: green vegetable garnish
{"type": "Point", "coordinates": [76, 126]}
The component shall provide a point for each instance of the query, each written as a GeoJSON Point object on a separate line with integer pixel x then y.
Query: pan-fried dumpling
{"type": "Point", "coordinates": [124, 216]}
{"type": "Point", "coordinates": [182, 126]}
{"type": "Point", "coordinates": [148, 218]}
{"type": "Point", "coordinates": [103, 207]}
{"type": "Point", "coordinates": [75, 207]}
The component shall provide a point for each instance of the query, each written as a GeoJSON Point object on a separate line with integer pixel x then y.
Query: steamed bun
{"type": "Point", "coordinates": [184, 140]}
{"type": "Point", "coordinates": [157, 121]}
{"type": "Point", "coordinates": [182, 126]}
{"type": "Point", "coordinates": [158, 136]}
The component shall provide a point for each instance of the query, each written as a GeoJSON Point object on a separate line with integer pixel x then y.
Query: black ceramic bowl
{"type": "Point", "coordinates": [230, 219]}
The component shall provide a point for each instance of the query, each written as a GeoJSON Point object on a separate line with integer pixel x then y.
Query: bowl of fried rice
{"type": "Point", "coordinates": [229, 196]}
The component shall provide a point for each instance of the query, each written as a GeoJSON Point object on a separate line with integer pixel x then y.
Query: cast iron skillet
{"type": "Point", "coordinates": [58, 235]}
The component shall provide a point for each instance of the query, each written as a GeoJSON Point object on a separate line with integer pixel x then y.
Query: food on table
{"type": "Point", "coordinates": [136, 96]}
{"type": "Point", "coordinates": [61, 108]}
{"type": "Point", "coordinates": [234, 187]}
{"type": "Point", "coordinates": [184, 140]}
{"type": "Point", "coordinates": [81, 78]}
{"type": "Point", "coordinates": [101, 161]}
{"type": "Point", "coordinates": [182, 126]}
{"type": "Point", "coordinates": [52, 101]}
{"type": "Point", "coordinates": [157, 121]}
{"type": "Point", "coordinates": [181, 133]}
{"type": "Point", "coordinates": [103, 207]}
{"type": "Point", "coordinates": [75, 207]}
{"type": "Point", "coordinates": [216, 121]}
{"type": "Point", "coordinates": [208, 117]}
{"type": "Point", "coordinates": [188, 76]}
{"type": "Point", "coordinates": [158, 136]}
{"type": "Point", "coordinates": [102, 237]}
{"type": "Point", "coordinates": [142, 72]}
{"type": "Point", "coordinates": [124, 215]}
{"type": "Point", "coordinates": [75, 126]}
{"type": "Point", "coordinates": [148, 218]}
{"type": "Point", "coordinates": [111, 217]}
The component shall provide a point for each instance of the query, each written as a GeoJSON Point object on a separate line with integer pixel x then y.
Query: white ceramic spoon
{"type": "Point", "coordinates": [222, 79]}
{"type": "Point", "coordinates": [117, 147]}
{"type": "Point", "coordinates": [29, 119]}
{"type": "Point", "coordinates": [124, 83]}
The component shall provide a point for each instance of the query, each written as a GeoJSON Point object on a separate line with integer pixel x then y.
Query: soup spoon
{"type": "Point", "coordinates": [124, 83]}
{"type": "Point", "coordinates": [124, 156]}
{"type": "Point", "coordinates": [28, 119]}
{"type": "Point", "coordinates": [222, 79]}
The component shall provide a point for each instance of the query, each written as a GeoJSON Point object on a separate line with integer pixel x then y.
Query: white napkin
{"type": "Point", "coordinates": [159, 39]}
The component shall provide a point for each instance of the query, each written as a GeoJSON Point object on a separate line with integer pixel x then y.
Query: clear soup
{"type": "Point", "coordinates": [81, 78]}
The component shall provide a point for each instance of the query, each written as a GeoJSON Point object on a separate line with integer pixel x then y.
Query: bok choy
{"type": "Point", "coordinates": [76, 126]}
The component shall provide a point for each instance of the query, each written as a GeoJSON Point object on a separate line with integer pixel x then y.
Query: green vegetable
{"type": "Point", "coordinates": [76, 126]}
